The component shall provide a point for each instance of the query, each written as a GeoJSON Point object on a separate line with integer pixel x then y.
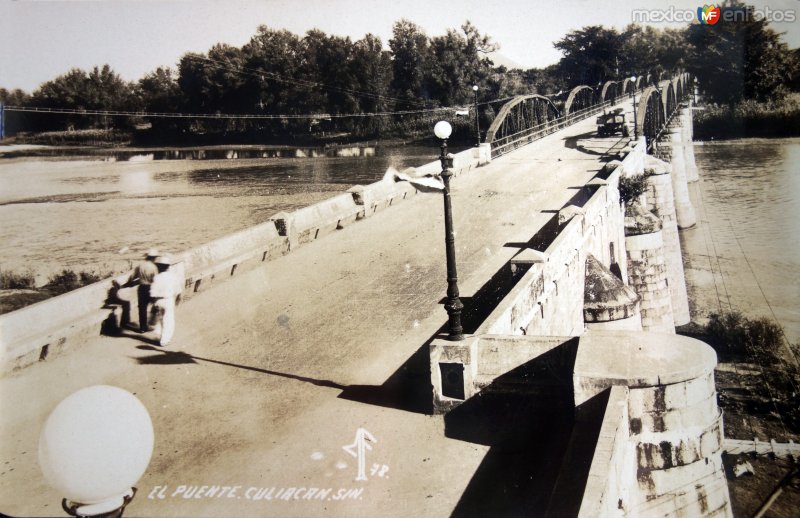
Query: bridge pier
{"type": "Point", "coordinates": [647, 268]}
{"type": "Point", "coordinates": [687, 125]}
{"type": "Point", "coordinates": [684, 210]}
{"type": "Point", "coordinates": [661, 202]}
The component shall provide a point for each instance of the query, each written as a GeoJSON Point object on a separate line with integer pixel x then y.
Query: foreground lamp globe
{"type": "Point", "coordinates": [442, 130]}
{"type": "Point", "coordinates": [474, 88]}
{"type": "Point", "coordinates": [96, 444]}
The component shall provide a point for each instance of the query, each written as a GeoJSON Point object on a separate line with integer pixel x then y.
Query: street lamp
{"type": "Point", "coordinates": [453, 305]}
{"type": "Point", "coordinates": [477, 122]}
{"type": "Point", "coordinates": [93, 448]}
{"type": "Point", "coordinates": [635, 124]}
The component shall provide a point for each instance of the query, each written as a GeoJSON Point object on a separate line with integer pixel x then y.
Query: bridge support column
{"type": "Point", "coordinates": [647, 268]}
{"type": "Point", "coordinates": [687, 124]}
{"type": "Point", "coordinates": [684, 210]}
{"type": "Point", "coordinates": [661, 202]}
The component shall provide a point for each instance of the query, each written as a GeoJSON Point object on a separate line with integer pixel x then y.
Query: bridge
{"type": "Point", "coordinates": [570, 394]}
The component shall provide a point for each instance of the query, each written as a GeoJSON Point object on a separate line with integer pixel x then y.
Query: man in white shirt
{"type": "Point", "coordinates": [163, 292]}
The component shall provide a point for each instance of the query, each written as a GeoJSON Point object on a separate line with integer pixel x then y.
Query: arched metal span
{"type": "Point", "coordinates": [528, 117]}
{"type": "Point", "coordinates": [668, 98]}
{"type": "Point", "coordinates": [627, 85]}
{"type": "Point", "coordinates": [579, 98]}
{"type": "Point", "coordinates": [611, 90]}
{"type": "Point", "coordinates": [521, 113]}
{"type": "Point", "coordinates": [677, 87]}
{"type": "Point", "coordinates": [650, 118]}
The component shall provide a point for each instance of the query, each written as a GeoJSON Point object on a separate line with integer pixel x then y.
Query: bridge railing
{"type": "Point", "coordinates": [516, 140]}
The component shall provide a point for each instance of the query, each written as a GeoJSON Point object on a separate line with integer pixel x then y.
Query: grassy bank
{"type": "Point", "coordinates": [18, 290]}
{"type": "Point", "coordinates": [758, 376]}
{"type": "Point", "coordinates": [749, 119]}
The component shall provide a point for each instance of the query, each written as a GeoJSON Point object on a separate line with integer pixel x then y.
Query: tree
{"type": "Point", "coordinates": [329, 63]}
{"type": "Point", "coordinates": [100, 89]}
{"type": "Point", "coordinates": [735, 60]}
{"type": "Point", "coordinates": [590, 55]}
{"type": "Point", "coordinates": [371, 68]}
{"type": "Point", "coordinates": [458, 63]}
{"type": "Point", "coordinates": [411, 57]}
{"type": "Point", "coordinates": [159, 92]}
{"type": "Point", "coordinates": [14, 97]}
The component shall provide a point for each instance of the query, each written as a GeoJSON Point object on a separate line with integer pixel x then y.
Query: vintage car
{"type": "Point", "coordinates": [612, 123]}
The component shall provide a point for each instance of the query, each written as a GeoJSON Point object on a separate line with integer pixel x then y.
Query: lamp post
{"type": "Point", "coordinates": [635, 124]}
{"type": "Point", "coordinates": [477, 117]}
{"type": "Point", "coordinates": [93, 448]}
{"type": "Point", "coordinates": [453, 303]}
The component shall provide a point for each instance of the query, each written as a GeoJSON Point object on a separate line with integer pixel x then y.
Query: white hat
{"type": "Point", "coordinates": [152, 253]}
{"type": "Point", "coordinates": [164, 259]}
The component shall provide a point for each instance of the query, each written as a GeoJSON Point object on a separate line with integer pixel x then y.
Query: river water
{"type": "Point", "coordinates": [751, 197]}
{"type": "Point", "coordinates": [99, 213]}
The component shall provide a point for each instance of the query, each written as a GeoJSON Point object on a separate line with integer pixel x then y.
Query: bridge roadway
{"type": "Point", "coordinates": [271, 373]}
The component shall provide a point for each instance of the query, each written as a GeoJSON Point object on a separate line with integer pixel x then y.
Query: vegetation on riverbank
{"type": "Point", "coordinates": [280, 87]}
{"type": "Point", "coordinates": [18, 289]}
{"type": "Point", "coordinates": [776, 118]}
{"type": "Point", "coordinates": [758, 378]}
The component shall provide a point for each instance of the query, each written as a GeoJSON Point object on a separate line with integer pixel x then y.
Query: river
{"type": "Point", "coordinates": [99, 213]}
{"type": "Point", "coordinates": [745, 253]}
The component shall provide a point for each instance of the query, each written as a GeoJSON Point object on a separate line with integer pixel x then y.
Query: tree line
{"type": "Point", "coordinates": [279, 73]}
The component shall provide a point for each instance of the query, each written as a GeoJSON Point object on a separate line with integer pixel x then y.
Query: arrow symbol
{"type": "Point", "coordinates": [359, 450]}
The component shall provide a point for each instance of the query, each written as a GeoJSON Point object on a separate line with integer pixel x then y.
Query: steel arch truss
{"type": "Point", "coordinates": [668, 98]}
{"type": "Point", "coordinates": [611, 90]}
{"type": "Point", "coordinates": [677, 87]}
{"type": "Point", "coordinates": [580, 98]}
{"type": "Point", "coordinates": [520, 117]}
{"type": "Point", "coordinates": [650, 114]}
{"type": "Point", "coordinates": [628, 85]}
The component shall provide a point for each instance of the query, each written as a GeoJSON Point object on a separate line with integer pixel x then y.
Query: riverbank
{"type": "Point", "coordinates": [749, 119]}
{"type": "Point", "coordinates": [147, 138]}
{"type": "Point", "coordinates": [722, 275]}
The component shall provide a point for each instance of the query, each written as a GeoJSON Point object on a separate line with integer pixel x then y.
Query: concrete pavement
{"type": "Point", "coordinates": [270, 374]}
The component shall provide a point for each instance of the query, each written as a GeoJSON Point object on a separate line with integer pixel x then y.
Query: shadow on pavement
{"type": "Point", "coordinates": [408, 389]}
{"type": "Point", "coordinates": [574, 143]}
{"type": "Point", "coordinates": [526, 417]}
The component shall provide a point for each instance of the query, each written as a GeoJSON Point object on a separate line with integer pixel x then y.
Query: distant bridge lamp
{"type": "Point", "coordinates": [477, 117]}
{"type": "Point", "coordinates": [94, 446]}
{"type": "Point", "coordinates": [635, 124]}
{"type": "Point", "coordinates": [453, 303]}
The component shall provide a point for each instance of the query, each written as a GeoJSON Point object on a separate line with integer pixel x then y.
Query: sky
{"type": "Point", "coordinates": [41, 39]}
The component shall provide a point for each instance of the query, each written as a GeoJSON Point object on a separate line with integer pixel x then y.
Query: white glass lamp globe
{"type": "Point", "coordinates": [96, 444]}
{"type": "Point", "coordinates": [442, 129]}
{"type": "Point", "coordinates": [474, 88]}
{"type": "Point", "coordinates": [633, 78]}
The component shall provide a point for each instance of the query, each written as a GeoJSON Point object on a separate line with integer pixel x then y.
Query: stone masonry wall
{"type": "Point", "coordinates": [660, 201]}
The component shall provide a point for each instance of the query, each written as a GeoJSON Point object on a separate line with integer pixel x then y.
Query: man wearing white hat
{"type": "Point", "coordinates": [143, 274]}
{"type": "Point", "coordinates": [163, 292]}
